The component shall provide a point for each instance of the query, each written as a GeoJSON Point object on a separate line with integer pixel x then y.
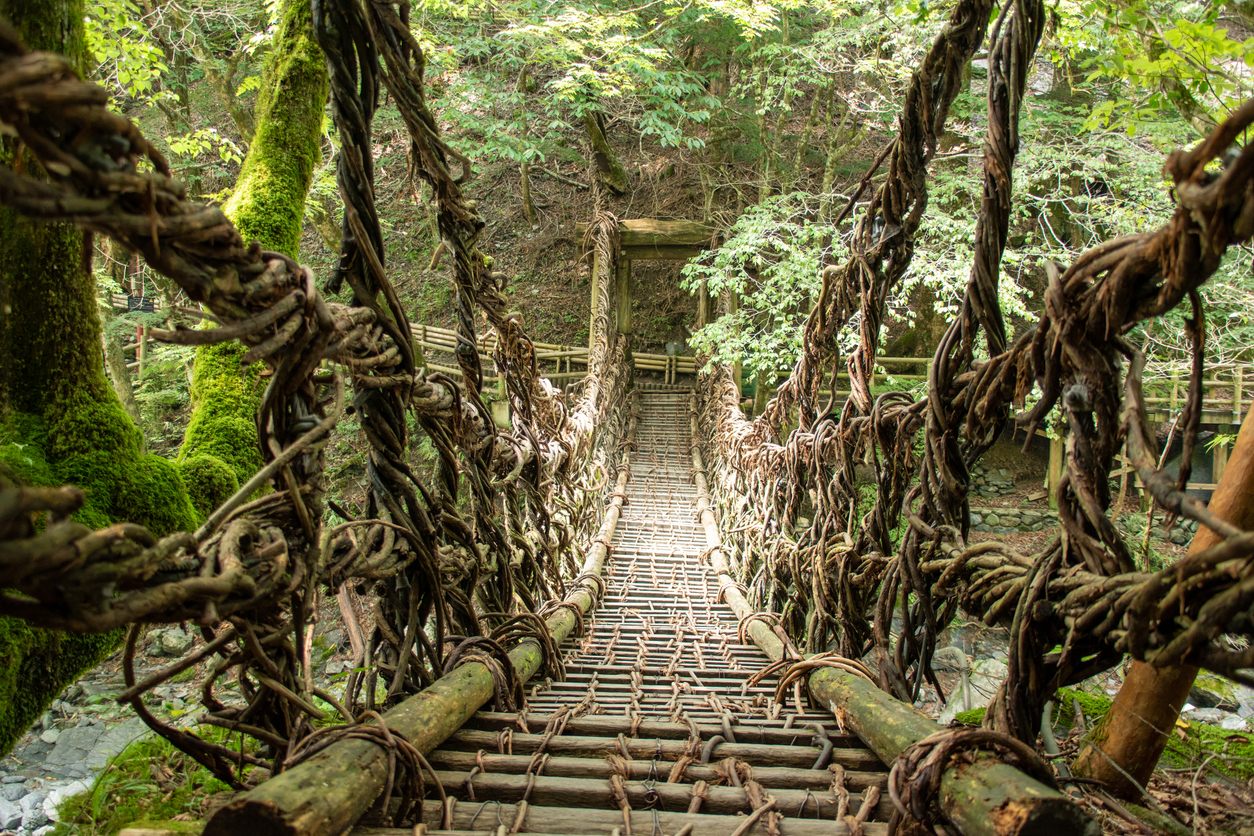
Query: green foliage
{"type": "Point", "coordinates": [128, 59]}
{"type": "Point", "coordinates": [524, 83]}
{"type": "Point", "coordinates": [1154, 60]}
{"type": "Point", "coordinates": [206, 141]}
{"type": "Point", "coordinates": [148, 781]}
{"type": "Point", "coordinates": [771, 260]}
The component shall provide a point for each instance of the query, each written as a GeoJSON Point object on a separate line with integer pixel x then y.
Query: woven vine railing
{"type": "Point", "coordinates": [493, 535]}
{"type": "Point", "coordinates": [883, 578]}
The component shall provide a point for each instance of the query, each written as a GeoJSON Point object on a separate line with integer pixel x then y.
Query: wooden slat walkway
{"type": "Point", "coordinates": [655, 702]}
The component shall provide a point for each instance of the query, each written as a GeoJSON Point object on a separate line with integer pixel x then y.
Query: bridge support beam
{"type": "Point", "coordinates": [985, 797]}
{"type": "Point", "coordinates": [326, 794]}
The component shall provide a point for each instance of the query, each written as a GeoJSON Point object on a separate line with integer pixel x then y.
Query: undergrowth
{"type": "Point", "coordinates": [1193, 744]}
{"type": "Point", "coordinates": [149, 781]}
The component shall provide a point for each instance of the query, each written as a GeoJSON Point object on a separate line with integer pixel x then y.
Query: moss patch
{"type": "Point", "coordinates": [148, 781]}
{"type": "Point", "coordinates": [121, 483]}
{"type": "Point", "coordinates": [1192, 744]}
{"type": "Point", "coordinates": [268, 206]}
{"type": "Point", "coordinates": [38, 664]}
{"type": "Point", "coordinates": [209, 480]}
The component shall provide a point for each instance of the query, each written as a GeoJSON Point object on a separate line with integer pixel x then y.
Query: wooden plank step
{"type": "Point", "coordinates": [472, 816]}
{"type": "Point", "coordinates": [639, 770]}
{"type": "Point", "coordinates": [600, 725]}
{"type": "Point", "coordinates": [755, 753]}
{"type": "Point", "coordinates": [588, 792]}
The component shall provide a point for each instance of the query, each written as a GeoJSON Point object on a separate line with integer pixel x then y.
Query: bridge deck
{"type": "Point", "coordinates": [659, 726]}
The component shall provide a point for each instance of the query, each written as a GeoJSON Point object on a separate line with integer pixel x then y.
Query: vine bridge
{"type": "Point", "coordinates": [630, 607]}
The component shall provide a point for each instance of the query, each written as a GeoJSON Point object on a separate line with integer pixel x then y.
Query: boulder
{"type": "Point", "coordinates": [951, 659]}
{"type": "Point", "coordinates": [10, 814]}
{"type": "Point", "coordinates": [173, 642]}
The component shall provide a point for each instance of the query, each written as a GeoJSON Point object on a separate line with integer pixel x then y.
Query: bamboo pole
{"type": "Point", "coordinates": [984, 798]}
{"type": "Point", "coordinates": [329, 792]}
{"type": "Point", "coordinates": [1124, 749]}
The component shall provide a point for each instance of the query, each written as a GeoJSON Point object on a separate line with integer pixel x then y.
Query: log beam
{"type": "Point", "coordinates": [326, 794]}
{"type": "Point", "coordinates": [984, 797]}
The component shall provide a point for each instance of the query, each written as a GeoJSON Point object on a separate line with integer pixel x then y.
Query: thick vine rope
{"type": "Point", "coordinates": [839, 577]}
{"type": "Point", "coordinates": [252, 574]}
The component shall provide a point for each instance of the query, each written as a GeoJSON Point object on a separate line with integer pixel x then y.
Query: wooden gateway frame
{"type": "Point", "coordinates": [655, 240]}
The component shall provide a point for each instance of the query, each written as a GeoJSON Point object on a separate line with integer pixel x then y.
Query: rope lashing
{"type": "Point", "coordinates": [915, 778]}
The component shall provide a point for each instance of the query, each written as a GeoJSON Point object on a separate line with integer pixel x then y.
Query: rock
{"type": "Point", "coordinates": [992, 519]}
{"type": "Point", "coordinates": [976, 519]}
{"type": "Point", "coordinates": [1204, 697]}
{"type": "Point", "coordinates": [55, 798]}
{"type": "Point", "coordinates": [46, 830]}
{"type": "Point", "coordinates": [12, 792]}
{"type": "Point", "coordinates": [172, 642]}
{"type": "Point", "coordinates": [33, 815]}
{"type": "Point", "coordinates": [50, 735]}
{"type": "Point", "coordinates": [73, 745]}
{"type": "Point", "coordinates": [951, 659]}
{"type": "Point", "coordinates": [1207, 715]}
{"type": "Point", "coordinates": [12, 779]}
{"type": "Point", "coordinates": [987, 675]}
{"type": "Point", "coordinates": [10, 814]}
{"type": "Point", "coordinates": [1233, 723]}
{"type": "Point", "coordinates": [334, 637]}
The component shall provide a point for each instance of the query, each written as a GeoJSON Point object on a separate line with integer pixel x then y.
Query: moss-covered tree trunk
{"type": "Point", "coordinates": [220, 448]}
{"type": "Point", "coordinates": [610, 170]}
{"type": "Point", "coordinates": [60, 420]}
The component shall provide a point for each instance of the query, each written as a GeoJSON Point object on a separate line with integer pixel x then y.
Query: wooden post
{"type": "Point", "coordinates": [1220, 462]}
{"type": "Point", "coordinates": [1238, 394]}
{"type": "Point", "coordinates": [1126, 746]}
{"type": "Point", "coordinates": [141, 351]}
{"type": "Point", "coordinates": [1053, 478]}
{"type": "Point", "coordinates": [982, 797]}
{"type": "Point", "coordinates": [595, 289]}
{"type": "Point", "coordinates": [622, 286]}
{"type": "Point", "coordinates": [703, 305]}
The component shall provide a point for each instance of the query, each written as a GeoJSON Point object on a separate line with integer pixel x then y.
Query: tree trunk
{"type": "Point", "coordinates": [609, 170]}
{"type": "Point", "coordinates": [221, 449]}
{"type": "Point", "coordinates": [1126, 745]}
{"type": "Point", "coordinates": [60, 420]}
{"type": "Point", "coordinates": [119, 374]}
